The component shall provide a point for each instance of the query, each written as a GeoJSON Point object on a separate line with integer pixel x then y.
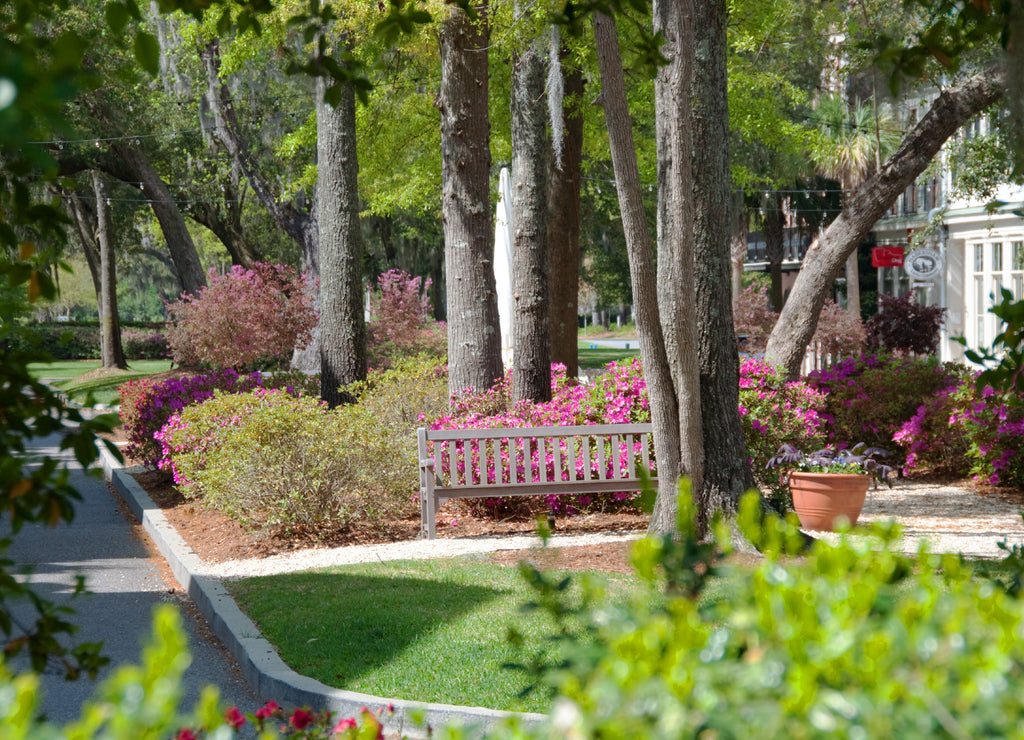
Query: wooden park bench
{"type": "Point", "coordinates": [529, 461]}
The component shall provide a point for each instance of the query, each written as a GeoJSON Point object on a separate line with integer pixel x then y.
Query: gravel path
{"type": "Point", "coordinates": [408, 550]}
{"type": "Point", "coordinates": [948, 518]}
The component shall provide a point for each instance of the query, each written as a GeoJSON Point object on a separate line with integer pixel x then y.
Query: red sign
{"type": "Point", "coordinates": [891, 256]}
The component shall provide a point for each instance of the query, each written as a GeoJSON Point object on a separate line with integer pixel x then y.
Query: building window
{"type": "Point", "coordinates": [1017, 258]}
{"type": "Point", "coordinates": [1018, 287]}
{"type": "Point", "coordinates": [979, 307]}
{"type": "Point", "coordinates": [997, 289]}
{"type": "Point", "coordinates": [997, 257]}
{"type": "Point", "coordinates": [979, 257]}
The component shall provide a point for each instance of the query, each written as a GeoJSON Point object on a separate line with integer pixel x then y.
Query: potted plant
{"type": "Point", "coordinates": [830, 483]}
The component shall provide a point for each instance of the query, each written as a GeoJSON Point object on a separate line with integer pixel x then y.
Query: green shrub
{"type": "Point", "coordinates": [849, 641]}
{"type": "Point", "coordinates": [267, 459]}
{"type": "Point", "coordinates": [291, 465]}
{"type": "Point", "coordinates": [61, 341]}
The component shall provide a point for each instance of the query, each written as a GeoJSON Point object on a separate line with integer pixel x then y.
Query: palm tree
{"type": "Point", "coordinates": [851, 142]}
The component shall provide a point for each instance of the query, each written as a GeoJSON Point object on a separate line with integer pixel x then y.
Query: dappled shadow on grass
{"type": "Point", "coordinates": [340, 627]}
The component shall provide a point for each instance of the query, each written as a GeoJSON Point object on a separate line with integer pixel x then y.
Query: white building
{"type": "Point", "coordinates": [973, 251]}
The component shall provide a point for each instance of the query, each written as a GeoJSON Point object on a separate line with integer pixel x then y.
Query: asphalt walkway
{"type": "Point", "coordinates": [126, 582]}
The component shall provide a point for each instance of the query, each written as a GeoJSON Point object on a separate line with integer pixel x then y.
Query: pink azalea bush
{"type": "Point", "coordinates": [243, 319]}
{"type": "Point", "coordinates": [964, 430]}
{"type": "Point", "coordinates": [774, 412]}
{"type": "Point", "coordinates": [839, 333]}
{"type": "Point", "coordinates": [146, 405]}
{"type": "Point", "coordinates": [145, 344]}
{"type": "Point", "coordinates": [400, 324]}
{"type": "Point", "coordinates": [869, 397]}
{"type": "Point", "coordinates": [753, 317]}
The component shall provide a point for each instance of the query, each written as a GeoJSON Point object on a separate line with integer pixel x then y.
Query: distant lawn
{"type": "Point", "coordinates": [423, 630]}
{"type": "Point", "coordinates": [78, 379]}
{"type": "Point", "coordinates": [593, 356]}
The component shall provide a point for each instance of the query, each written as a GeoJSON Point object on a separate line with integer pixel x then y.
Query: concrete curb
{"type": "Point", "coordinates": [263, 668]}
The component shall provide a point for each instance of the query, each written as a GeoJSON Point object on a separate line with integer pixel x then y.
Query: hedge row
{"type": "Point", "coordinates": [82, 341]}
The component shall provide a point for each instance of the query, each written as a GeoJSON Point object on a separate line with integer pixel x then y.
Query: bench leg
{"type": "Point", "coordinates": [428, 513]}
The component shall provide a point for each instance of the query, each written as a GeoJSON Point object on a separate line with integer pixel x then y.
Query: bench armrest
{"type": "Point", "coordinates": [427, 464]}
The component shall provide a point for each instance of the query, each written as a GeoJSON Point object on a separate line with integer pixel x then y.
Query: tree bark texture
{"type": "Point", "coordinates": [564, 232]}
{"type": "Point", "coordinates": [111, 351]}
{"type": "Point", "coordinates": [660, 388]}
{"type": "Point", "coordinates": [826, 256]}
{"type": "Point", "coordinates": [474, 336]}
{"type": "Point", "coordinates": [674, 19]}
{"type": "Point", "coordinates": [726, 471]}
{"type": "Point", "coordinates": [531, 326]}
{"type": "Point", "coordinates": [299, 225]}
{"type": "Point", "coordinates": [342, 324]}
{"type": "Point", "coordinates": [131, 165]}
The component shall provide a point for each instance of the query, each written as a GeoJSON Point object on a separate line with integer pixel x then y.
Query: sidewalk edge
{"type": "Point", "coordinates": [267, 674]}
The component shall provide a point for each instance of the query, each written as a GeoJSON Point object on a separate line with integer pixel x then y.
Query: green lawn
{"type": "Point", "coordinates": [424, 630]}
{"type": "Point", "coordinates": [64, 373]}
{"type": "Point", "coordinates": [597, 357]}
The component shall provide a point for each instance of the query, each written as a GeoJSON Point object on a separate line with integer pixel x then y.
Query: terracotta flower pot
{"type": "Point", "coordinates": [820, 498]}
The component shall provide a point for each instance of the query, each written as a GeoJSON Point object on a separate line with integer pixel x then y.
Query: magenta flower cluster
{"type": "Point", "coordinates": [967, 430]}
{"type": "Point", "coordinates": [869, 397]}
{"type": "Point", "coordinates": [301, 723]}
{"type": "Point", "coordinates": [774, 412]}
{"type": "Point", "coordinates": [146, 406]}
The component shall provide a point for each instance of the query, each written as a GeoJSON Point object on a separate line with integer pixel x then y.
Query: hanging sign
{"type": "Point", "coordinates": [888, 256]}
{"type": "Point", "coordinates": [923, 264]}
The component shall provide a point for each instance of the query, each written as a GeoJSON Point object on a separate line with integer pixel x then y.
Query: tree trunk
{"type": "Point", "coordinates": [660, 389]}
{"type": "Point", "coordinates": [726, 470]}
{"type": "Point", "coordinates": [111, 351]}
{"type": "Point", "coordinates": [564, 232]}
{"type": "Point", "coordinates": [825, 257]}
{"type": "Point", "coordinates": [342, 324]}
{"type": "Point", "coordinates": [674, 19]}
{"type": "Point", "coordinates": [87, 236]}
{"type": "Point", "coordinates": [531, 326]}
{"type": "Point", "coordinates": [853, 284]}
{"type": "Point", "coordinates": [297, 224]}
{"type": "Point", "coordinates": [172, 223]}
{"type": "Point", "coordinates": [774, 237]}
{"type": "Point", "coordinates": [474, 336]}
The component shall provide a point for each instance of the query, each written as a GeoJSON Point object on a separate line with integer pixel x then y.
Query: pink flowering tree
{"type": "Point", "coordinates": [243, 319]}
{"type": "Point", "coordinates": [400, 324]}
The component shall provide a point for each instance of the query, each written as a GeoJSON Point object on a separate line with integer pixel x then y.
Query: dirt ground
{"type": "Point", "coordinates": [216, 537]}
